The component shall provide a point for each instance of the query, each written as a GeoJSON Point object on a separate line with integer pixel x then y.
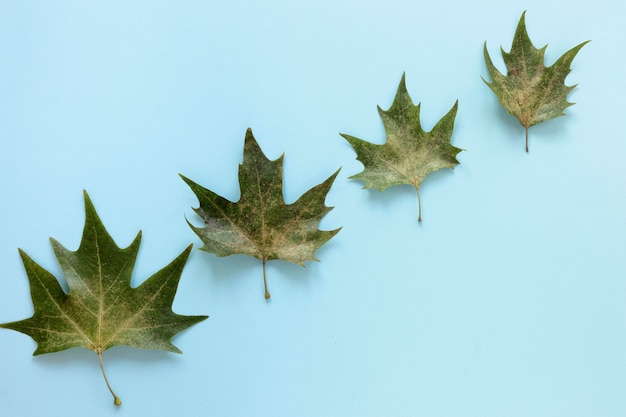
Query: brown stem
{"type": "Point", "coordinates": [419, 206]}
{"type": "Point", "coordinates": [116, 399]}
{"type": "Point", "coordinates": [267, 293]}
{"type": "Point", "coordinates": [526, 127]}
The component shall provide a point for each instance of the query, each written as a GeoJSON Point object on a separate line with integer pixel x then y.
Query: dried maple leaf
{"type": "Point", "coordinates": [530, 91]}
{"type": "Point", "coordinates": [260, 224]}
{"type": "Point", "coordinates": [410, 154]}
{"type": "Point", "coordinates": [101, 309]}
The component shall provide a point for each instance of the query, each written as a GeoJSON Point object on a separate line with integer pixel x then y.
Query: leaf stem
{"type": "Point", "coordinates": [526, 127]}
{"type": "Point", "coordinates": [116, 399]}
{"type": "Point", "coordinates": [267, 293]}
{"type": "Point", "coordinates": [419, 206]}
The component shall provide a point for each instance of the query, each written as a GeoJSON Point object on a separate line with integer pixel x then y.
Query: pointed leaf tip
{"type": "Point", "coordinates": [87, 200]}
{"type": "Point", "coordinates": [403, 81]}
{"type": "Point", "coordinates": [249, 135]}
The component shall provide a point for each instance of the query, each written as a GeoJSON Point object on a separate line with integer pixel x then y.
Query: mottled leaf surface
{"type": "Point", "coordinates": [409, 154]}
{"type": "Point", "coordinates": [261, 224]}
{"type": "Point", "coordinates": [530, 91]}
{"type": "Point", "coordinates": [101, 309]}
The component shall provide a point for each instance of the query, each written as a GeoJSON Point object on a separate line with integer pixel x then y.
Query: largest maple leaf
{"type": "Point", "coordinates": [261, 224]}
{"type": "Point", "coordinates": [101, 309]}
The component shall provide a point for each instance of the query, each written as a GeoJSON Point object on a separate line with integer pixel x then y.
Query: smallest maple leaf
{"type": "Point", "coordinates": [530, 91]}
{"type": "Point", "coordinates": [410, 154]}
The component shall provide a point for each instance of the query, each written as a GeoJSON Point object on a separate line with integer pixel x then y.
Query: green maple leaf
{"type": "Point", "coordinates": [409, 154]}
{"type": "Point", "coordinates": [530, 91]}
{"type": "Point", "coordinates": [101, 309]}
{"type": "Point", "coordinates": [260, 224]}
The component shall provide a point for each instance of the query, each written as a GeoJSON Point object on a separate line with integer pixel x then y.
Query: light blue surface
{"type": "Point", "coordinates": [509, 300]}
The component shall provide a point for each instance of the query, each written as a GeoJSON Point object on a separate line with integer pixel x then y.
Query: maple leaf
{"type": "Point", "coordinates": [101, 309]}
{"type": "Point", "coordinates": [409, 154]}
{"type": "Point", "coordinates": [260, 224]}
{"type": "Point", "coordinates": [530, 91]}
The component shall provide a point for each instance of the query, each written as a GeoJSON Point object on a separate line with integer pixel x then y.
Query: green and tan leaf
{"type": "Point", "coordinates": [530, 91]}
{"type": "Point", "coordinates": [101, 309]}
{"type": "Point", "coordinates": [260, 224]}
{"type": "Point", "coordinates": [409, 154]}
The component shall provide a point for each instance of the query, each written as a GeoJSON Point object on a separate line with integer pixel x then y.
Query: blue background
{"type": "Point", "coordinates": [509, 299]}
